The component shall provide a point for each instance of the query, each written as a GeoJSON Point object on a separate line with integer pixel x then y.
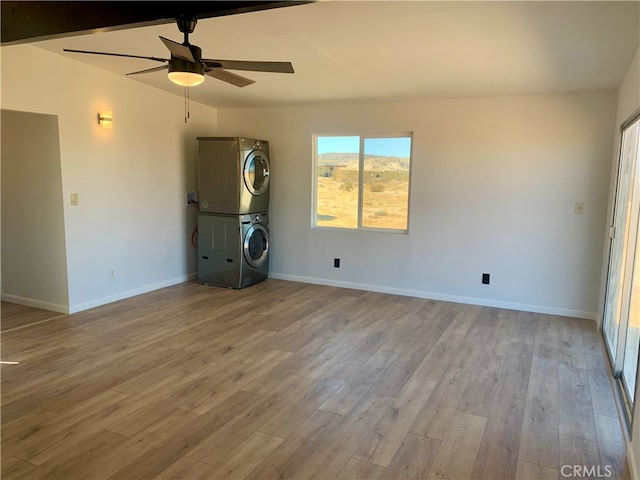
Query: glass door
{"type": "Point", "coordinates": [621, 323]}
{"type": "Point", "coordinates": [629, 372]}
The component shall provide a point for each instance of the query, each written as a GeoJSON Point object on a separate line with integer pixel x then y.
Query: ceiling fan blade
{"type": "Point", "coordinates": [149, 70]}
{"type": "Point", "coordinates": [229, 77]}
{"type": "Point", "coordinates": [156, 59]}
{"type": "Point", "coordinates": [178, 50]}
{"type": "Point", "coordinates": [277, 67]}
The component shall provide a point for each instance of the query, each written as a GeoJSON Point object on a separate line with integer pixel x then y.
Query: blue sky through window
{"type": "Point", "coordinates": [388, 147]}
{"type": "Point", "coordinates": [338, 145]}
{"type": "Point", "coordinates": [396, 147]}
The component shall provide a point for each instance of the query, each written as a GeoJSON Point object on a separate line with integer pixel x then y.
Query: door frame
{"type": "Point", "coordinates": [616, 363]}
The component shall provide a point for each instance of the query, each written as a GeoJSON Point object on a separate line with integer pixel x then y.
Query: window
{"type": "Point", "coordinates": [362, 181]}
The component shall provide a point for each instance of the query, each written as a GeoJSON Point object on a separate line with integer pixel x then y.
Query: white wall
{"type": "Point", "coordinates": [34, 260]}
{"type": "Point", "coordinates": [493, 189]}
{"type": "Point", "coordinates": [131, 180]}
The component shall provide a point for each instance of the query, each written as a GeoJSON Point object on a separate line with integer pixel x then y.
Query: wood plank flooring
{"type": "Point", "coordinates": [288, 380]}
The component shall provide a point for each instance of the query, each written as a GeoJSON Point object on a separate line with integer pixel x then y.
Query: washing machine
{"type": "Point", "coordinates": [233, 250]}
{"type": "Point", "coordinates": [233, 175]}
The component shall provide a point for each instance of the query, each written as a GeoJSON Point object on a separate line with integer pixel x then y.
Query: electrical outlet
{"type": "Point", "coordinates": [112, 274]}
{"type": "Point", "coordinates": [486, 278]}
{"type": "Point", "coordinates": [336, 263]}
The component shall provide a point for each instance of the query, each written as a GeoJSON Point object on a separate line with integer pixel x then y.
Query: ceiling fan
{"type": "Point", "coordinates": [187, 68]}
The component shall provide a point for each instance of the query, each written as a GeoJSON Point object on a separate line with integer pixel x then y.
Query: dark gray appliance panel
{"type": "Point", "coordinates": [219, 250]}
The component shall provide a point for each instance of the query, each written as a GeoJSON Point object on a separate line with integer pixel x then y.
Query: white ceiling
{"type": "Point", "coordinates": [363, 51]}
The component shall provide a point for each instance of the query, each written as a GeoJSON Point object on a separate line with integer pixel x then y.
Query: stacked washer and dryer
{"type": "Point", "coordinates": [233, 223]}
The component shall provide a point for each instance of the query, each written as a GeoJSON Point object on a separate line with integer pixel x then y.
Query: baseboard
{"type": "Point", "coordinates": [131, 293]}
{"type": "Point", "coordinates": [317, 281]}
{"type": "Point", "coordinates": [439, 296]}
{"type": "Point", "coordinates": [32, 302]}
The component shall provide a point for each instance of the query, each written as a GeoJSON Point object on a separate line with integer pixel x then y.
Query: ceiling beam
{"type": "Point", "coordinates": [30, 21]}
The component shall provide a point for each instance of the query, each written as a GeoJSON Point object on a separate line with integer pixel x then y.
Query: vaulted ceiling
{"type": "Point", "coordinates": [382, 50]}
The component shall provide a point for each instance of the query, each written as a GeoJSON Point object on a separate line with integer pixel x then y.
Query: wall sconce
{"type": "Point", "coordinates": [105, 119]}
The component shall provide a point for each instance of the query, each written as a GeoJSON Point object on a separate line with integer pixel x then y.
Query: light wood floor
{"type": "Point", "coordinates": [288, 380]}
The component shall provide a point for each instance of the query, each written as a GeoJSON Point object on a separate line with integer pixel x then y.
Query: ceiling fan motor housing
{"type": "Point", "coordinates": [179, 65]}
{"type": "Point", "coordinates": [186, 73]}
{"type": "Point", "coordinates": [182, 66]}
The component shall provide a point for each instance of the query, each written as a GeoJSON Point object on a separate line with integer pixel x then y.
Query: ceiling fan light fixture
{"type": "Point", "coordinates": [186, 79]}
{"type": "Point", "coordinates": [185, 74]}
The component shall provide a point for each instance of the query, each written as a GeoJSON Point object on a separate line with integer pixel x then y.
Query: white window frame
{"type": "Point", "coordinates": [363, 137]}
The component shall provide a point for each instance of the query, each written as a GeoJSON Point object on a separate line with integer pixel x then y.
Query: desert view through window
{"type": "Point", "coordinates": [362, 181]}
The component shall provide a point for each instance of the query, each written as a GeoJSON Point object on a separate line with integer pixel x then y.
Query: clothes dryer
{"type": "Point", "coordinates": [233, 250]}
{"type": "Point", "coordinates": [233, 175]}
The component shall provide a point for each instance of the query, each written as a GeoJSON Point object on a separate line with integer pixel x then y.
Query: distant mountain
{"type": "Point", "coordinates": [386, 164]}
{"type": "Point", "coordinates": [349, 161]}
{"type": "Point", "coordinates": [336, 158]}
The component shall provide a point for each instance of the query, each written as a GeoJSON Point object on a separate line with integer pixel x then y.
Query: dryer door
{"type": "Point", "coordinates": [256, 172]}
{"type": "Point", "coordinates": [256, 245]}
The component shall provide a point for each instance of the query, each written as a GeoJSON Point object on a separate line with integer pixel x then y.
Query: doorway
{"type": "Point", "coordinates": [621, 323]}
{"type": "Point", "coordinates": [34, 258]}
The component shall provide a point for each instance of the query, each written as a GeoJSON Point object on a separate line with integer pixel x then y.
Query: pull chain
{"type": "Point", "coordinates": [186, 103]}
